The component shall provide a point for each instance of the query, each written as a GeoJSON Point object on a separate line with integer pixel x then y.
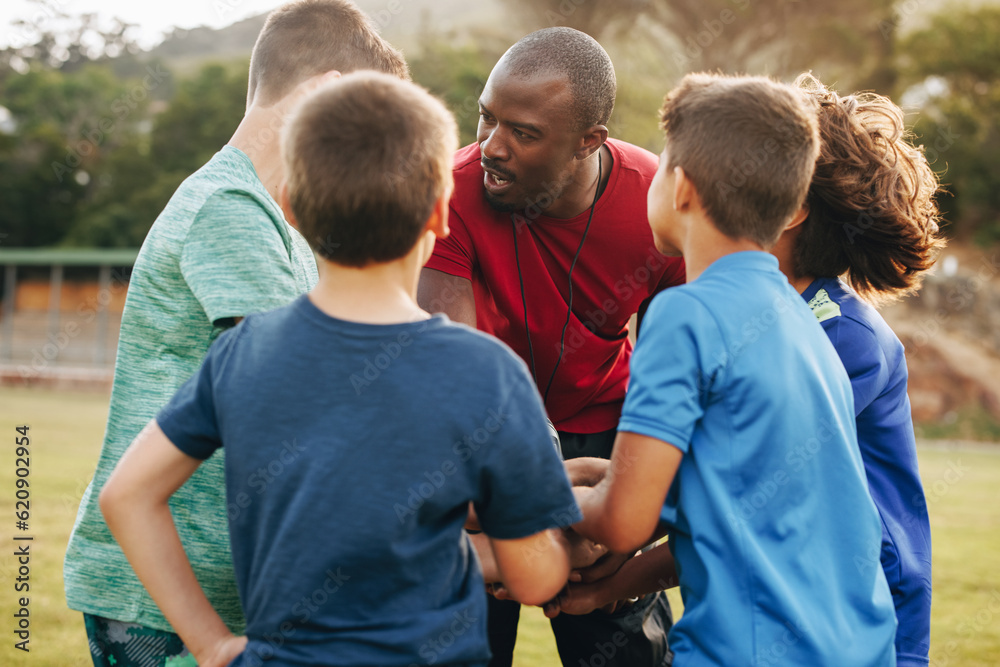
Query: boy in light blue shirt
{"type": "Point", "coordinates": [738, 428]}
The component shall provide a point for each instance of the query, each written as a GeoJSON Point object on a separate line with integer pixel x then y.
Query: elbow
{"type": "Point", "coordinates": [622, 542]}
{"type": "Point", "coordinates": [545, 587]}
{"type": "Point", "coordinates": [110, 500]}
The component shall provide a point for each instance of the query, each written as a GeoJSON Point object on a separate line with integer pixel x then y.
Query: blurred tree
{"type": "Point", "coordinates": [953, 69]}
{"type": "Point", "coordinates": [65, 124]}
{"type": "Point", "coordinates": [140, 178]}
{"type": "Point", "coordinates": [846, 41]}
{"type": "Point", "coordinates": [201, 117]}
{"type": "Point", "coordinates": [55, 39]}
{"type": "Point", "coordinates": [597, 19]}
{"type": "Point", "coordinates": [457, 75]}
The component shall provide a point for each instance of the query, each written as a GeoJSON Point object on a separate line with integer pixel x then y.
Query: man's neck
{"type": "Point", "coordinates": [259, 137]}
{"type": "Point", "coordinates": [583, 191]}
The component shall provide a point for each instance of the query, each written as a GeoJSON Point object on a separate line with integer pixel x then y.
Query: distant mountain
{"type": "Point", "coordinates": [399, 21]}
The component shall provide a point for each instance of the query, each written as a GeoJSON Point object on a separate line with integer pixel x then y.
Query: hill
{"type": "Point", "coordinates": [400, 21]}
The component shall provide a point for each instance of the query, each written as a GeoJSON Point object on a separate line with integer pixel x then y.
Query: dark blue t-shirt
{"type": "Point", "coordinates": [875, 361]}
{"type": "Point", "coordinates": [351, 454]}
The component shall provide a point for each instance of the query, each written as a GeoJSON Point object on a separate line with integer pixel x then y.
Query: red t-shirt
{"type": "Point", "coordinates": [618, 268]}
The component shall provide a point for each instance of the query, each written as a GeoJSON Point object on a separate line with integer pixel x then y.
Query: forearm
{"type": "Point", "coordinates": [487, 559]}
{"type": "Point", "coordinates": [647, 573]}
{"type": "Point", "coordinates": [533, 569]}
{"type": "Point", "coordinates": [149, 539]}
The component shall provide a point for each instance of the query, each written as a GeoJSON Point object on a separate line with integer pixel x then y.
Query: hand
{"type": "Point", "coordinates": [579, 599]}
{"type": "Point", "coordinates": [603, 568]}
{"type": "Point", "coordinates": [586, 470]}
{"type": "Point", "coordinates": [223, 652]}
{"type": "Point", "coordinates": [582, 552]}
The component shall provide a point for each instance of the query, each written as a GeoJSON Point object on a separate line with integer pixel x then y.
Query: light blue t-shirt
{"type": "Point", "coordinates": [352, 453]}
{"type": "Point", "coordinates": [771, 525]}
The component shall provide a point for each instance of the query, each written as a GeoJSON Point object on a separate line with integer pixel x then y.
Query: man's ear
{"type": "Point", "coordinates": [286, 205]}
{"type": "Point", "coordinates": [799, 217]}
{"type": "Point", "coordinates": [592, 140]}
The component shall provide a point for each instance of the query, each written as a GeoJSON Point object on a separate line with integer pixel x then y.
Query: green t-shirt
{"type": "Point", "coordinates": [220, 249]}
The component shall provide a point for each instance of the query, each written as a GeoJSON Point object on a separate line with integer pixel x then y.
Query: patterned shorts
{"type": "Point", "coordinates": [118, 644]}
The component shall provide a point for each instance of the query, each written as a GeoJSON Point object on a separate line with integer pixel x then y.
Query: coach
{"type": "Point", "coordinates": [550, 251]}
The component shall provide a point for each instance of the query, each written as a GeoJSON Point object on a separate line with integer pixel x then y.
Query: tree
{"type": "Point", "coordinates": [595, 18]}
{"type": "Point", "coordinates": [845, 41]}
{"type": "Point", "coordinates": [954, 69]}
{"type": "Point", "coordinates": [55, 39]}
{"type": "Point", "coordinates": [67, 123]}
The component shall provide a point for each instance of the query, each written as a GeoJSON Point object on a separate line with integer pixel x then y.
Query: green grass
{"type": "Point", "coordinates": [66, 430]}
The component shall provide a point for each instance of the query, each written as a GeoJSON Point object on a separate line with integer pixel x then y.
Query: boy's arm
{"type": "Point", "coordinates": [623, 510]}
{"type": "Point", "coordinates": [535, 568]}
{"type": "Point", "coordinates": [647, 573]}
{"type": "Point", "coordinates": [135, 505]}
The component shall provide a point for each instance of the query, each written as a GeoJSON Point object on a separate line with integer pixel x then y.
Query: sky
{"type": "Point", "coordinates": [153, 18]}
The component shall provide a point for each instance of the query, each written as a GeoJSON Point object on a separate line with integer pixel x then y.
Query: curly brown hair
{"type": "Point", "coordinates": [872, 214]}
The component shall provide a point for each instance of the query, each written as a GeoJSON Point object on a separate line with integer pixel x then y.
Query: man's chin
{"type": "Point", "coordinates": [499, 204]}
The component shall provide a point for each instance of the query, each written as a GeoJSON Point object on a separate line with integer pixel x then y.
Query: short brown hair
{"type": "Point", "coordinates": [872, 214]}
{"type": "Point", "coordinates": [303, 39]}
{"type": "Point", "coordinates": [749, 146]}
{"type": "Point", "coordinates": [366, 158]}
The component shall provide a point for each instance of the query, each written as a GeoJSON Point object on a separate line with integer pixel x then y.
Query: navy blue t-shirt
{"type": "Point", "coordinates": [875, 361]}
{"type": "Point", "coordinates": [351, 454]}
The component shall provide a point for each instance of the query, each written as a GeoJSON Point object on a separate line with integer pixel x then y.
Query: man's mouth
{"type": "Point", "coordinates": [496, 182]}
{"type": "Point", "coordinates": [495, 179]}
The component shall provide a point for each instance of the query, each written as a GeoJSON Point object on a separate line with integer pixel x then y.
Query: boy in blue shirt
{"type": "Point", "coordinates": [352, 449]}
{"type": "Point", "coordinates": [737, 432]}
{"type": "Point", "coordinates": [872, 218]}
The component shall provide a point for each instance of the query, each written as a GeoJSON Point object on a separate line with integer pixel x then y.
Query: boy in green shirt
{"type": "Point", "coordinates": [220, 250]}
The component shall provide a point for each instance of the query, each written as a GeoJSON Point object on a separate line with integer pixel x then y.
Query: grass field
{"type": "Point", "coordinates": [962, 483]}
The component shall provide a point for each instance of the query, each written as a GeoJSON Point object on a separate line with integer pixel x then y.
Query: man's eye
{"type": "Point", "coordinates": [522, 135]}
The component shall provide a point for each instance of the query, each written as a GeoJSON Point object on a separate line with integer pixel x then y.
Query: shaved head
{"type": "Point", "coordinates": [569, 53]}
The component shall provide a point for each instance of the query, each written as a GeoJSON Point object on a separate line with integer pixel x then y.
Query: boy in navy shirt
{"type": "Point", "coordinates": [352, 448]}
{"type": "Point", "coordinates": [738, 428]}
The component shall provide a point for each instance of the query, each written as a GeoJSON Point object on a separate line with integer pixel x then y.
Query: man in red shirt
{"type": "Point", "coordinates": [550, 250]}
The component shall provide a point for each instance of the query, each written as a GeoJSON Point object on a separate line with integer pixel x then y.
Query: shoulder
{"type": "Point", "coordinates": [634, 161]}
{"type": "Point", "coordinates": [690, 306]}
{"type": "Point", "coordinates": [477, 353]}
{"type": "Point", "coordinates": [468, 173]}
{"type": "Point", "coordinates": [850, 321]}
